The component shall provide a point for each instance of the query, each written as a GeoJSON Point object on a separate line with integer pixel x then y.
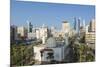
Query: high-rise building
{"type": "Point", "coordinates": [90, 34]}
{"type": "Point", "coordinates": [65, 26]}
{"type": "Point", "coordinates": [83, 24]}
{"type": "Point", "coordinates": [31, 31]}
{"type": "Point", "coordinates": [22, 32]}
{"type": "Point", "coordinates": [92, 25]}
{"type": "Point", "coordinates": [30, 26]}
{"type": "Point", "coordinates": [42, 33]}
{"type": "Point", "coordinates": [82, 29]}
{"type": "Point", "coordinates": [75, 23]}
{"type": "Point", "coordinates": [79, 24]}
{"type": "Point", "coordinates": [13, 33]}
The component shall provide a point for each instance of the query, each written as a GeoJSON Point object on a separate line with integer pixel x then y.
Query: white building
{"type": "Point", "coordinates": [51, 51]}
{"type": "Point", "coordinates": [37, 33]}
{"type": "Point", "coordinates": [42, 33]}
{"type": "Point", "coordinates": [53, 31]}
{"type": "Point", "coordinates": [31, 35]}
{"type": "Point", "coordinates": [51, 54]}
{"type": "Point", "coordinates": [37, 54]}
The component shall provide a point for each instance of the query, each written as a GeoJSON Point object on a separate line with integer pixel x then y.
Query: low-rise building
{"type": "Point", "coordinates": [53, 50]}
{"type": "Point", "coordinates": [31, 35]}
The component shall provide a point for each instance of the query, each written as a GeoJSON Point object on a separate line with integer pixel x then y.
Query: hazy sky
{"type": "Point", "coordinates": [48, 13]}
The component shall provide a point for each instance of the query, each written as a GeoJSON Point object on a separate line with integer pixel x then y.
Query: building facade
{"type": "Point", "coordinates": [90, 34]}
{"type": "Point", "coordinates": [65, 26]}
{"type": "Point", "coordinates": [42, 33]}
{"type": "Point", "coordinates": [22, 32]}
{"type": "Point", "coordinates": [13, 33]}
{"type": "Point", "coordinates": [52, 50]}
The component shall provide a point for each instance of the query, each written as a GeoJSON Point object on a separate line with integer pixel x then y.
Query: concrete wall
{"type": "Point", "coordinates": [37, 52]}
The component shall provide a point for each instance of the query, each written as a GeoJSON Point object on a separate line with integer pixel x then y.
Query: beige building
{"type": "Point", "coordinates": [90, 34]}
{"type": "Point", "coordinates": [92, 25]}
{"type": "Point", "coordinates": [90, 37]}
{"type": "Point", "coordinates": [65, 26]}
{"type": "Point", "coordinates": [22, 31]}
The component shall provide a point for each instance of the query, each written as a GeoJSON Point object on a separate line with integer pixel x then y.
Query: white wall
{"type": "Point", "coordinates": [31, 35]}
{"type": "Point", "coordinates": [37, 52]}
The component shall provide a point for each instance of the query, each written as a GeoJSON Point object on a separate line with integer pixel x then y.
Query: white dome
{"type": "Point", "coordinates": [51, 42]}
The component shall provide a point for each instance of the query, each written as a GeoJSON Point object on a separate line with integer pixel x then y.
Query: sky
{"type": "Point", "coordinates": [50, 14]}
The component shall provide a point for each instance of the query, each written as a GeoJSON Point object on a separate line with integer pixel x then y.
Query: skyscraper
{"type": "Point", "coordinates": [30, 26]}
{"type": "Point", "coordinates": [79, 24]}
{"type": "Point", "coordinates": [65, 26]}
{"type": "Point", "coordinates": [92, 25]}
{"type": "Point", "coordinates": [75, 23]}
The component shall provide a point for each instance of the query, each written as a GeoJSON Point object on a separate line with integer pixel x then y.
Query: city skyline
{"type": "Point", "coordinates": [48, 13]}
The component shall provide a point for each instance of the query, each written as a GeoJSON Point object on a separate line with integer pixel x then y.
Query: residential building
{"type": "Point", "coordinates": [22, 32]}
{"type": "Point", "coordinates": [13, 33]}
{"type": "Point", "coordinates": [42, 33]}
{"type": "Point", "coordinates": [90, 34]}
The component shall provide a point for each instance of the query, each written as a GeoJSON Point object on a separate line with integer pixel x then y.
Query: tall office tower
{"type": "Point", "coordinates": [22, 32]}
{"type": "Point", "coordinates": [75, 23]}
{"type": "Point", "coordinates": [82, 27]}
{"type": "Point", "coordinates": [13, 33]}
{"type": "Point", "coordinates": [79, 24]}
{"type": "Point", "coordinates": [30, 26]}
{"type": "Point", "coordinates": [92, 25]}
{"type": "Point", "coordinates": [83, 24]}
{"type": "Point", "coordinates": [65, 26]}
